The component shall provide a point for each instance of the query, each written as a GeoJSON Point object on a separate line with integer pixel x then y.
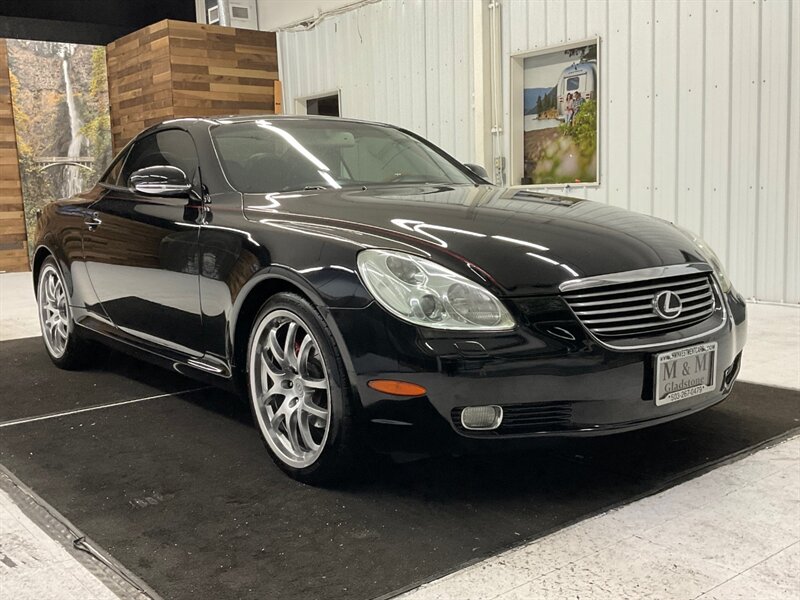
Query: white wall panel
{"type": "Point", "coordinates": [697, 97]}
{"type": "Point", "coordinates": [640, 102]}
{"type": "Point", "coordinates": [717, 123]}
{"type": "Point", "coordinates": [743, 175]}
{"type": "Point", "coordinates": [597, 15]}
{"type": "Point", "coordinates": [616, 50]}
{"type": "Point", "coordinates": [408, 62]}
{"type": "Point", "coordinates": [698, 119]}
{"type": "Point", "coordinates": [666, 38]}
{"type": "Point", "coordinates": [691, 140]}
{"type": "Point", "coordinates": [792, 284]}
{"type": "Point", "coordinates": [273, 14]}
{"type": "Point", "coordinates": [773, 148]}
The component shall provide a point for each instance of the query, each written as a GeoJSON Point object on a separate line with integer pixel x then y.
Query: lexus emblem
{"type": "Point", "coordinates": [667, 305]}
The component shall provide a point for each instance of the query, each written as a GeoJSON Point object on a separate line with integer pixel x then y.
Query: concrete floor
{"type": "Point", "coordinates": [772, 353]}
{"type": "Point", "coordinates": [732, 533]}
{"type": "Point", "coordinates": [35, 566]}
{"type": "Point", "coordinates": [18, 317]}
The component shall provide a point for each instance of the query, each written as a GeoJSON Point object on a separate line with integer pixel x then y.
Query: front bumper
{"type": "Point", "coordinates": [550, 375]}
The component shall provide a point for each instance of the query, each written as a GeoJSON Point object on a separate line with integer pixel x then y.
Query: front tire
{"type": "Point", "coordinates": [299, 392]}
{"type": "Point", "coordinates": [61, 340]}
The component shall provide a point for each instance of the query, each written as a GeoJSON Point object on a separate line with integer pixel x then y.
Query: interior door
{"type": "Point", "coordinates": [141, 250]}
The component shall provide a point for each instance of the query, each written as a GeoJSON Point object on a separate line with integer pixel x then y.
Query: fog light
{"type": "Point", "coordinates": [482, 417]}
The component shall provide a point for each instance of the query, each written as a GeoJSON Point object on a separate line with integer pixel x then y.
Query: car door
{"type": "Point", "coordinates": [141, 250]}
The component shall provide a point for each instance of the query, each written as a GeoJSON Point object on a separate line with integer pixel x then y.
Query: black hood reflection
{"type": "Point", "coordinates": [525, 241]}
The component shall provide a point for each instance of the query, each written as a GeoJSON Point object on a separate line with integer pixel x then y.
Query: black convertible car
{"type": "Point", "coordinates": [364, 289]}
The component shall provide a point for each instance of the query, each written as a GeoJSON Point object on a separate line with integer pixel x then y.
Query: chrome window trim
{"type": "Point", "coordinates": [651, 273]}
{"type": "Point", "coordinates": [216, 154]}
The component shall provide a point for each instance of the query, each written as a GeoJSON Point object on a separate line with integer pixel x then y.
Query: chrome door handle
{"type": "Point", "coordinates": [92, 221]}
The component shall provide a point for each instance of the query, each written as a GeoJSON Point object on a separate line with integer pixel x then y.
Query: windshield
{"type": "Point", "coordinates": [290, 155]}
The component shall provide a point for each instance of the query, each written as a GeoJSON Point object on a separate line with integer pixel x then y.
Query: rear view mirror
{"type": "Point", "coordinates": [478, 170]}
{"type": "Point", "coordinates": [160, 180]}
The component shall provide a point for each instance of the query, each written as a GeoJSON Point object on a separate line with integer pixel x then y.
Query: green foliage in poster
{"type": "Point", "coordinates": [583, 129]}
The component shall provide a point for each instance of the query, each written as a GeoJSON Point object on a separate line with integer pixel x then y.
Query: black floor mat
{"type": "Point", "coordinates": [30, 387]}
{"type": "Point", "coordinates": [181, 491]}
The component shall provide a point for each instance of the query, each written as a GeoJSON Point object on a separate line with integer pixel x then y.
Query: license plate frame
{"type": "Point", "coordinates": [687, 379]}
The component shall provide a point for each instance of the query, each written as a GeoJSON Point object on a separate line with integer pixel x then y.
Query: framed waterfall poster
{"type": "Point", "coordinates": [59, 96]}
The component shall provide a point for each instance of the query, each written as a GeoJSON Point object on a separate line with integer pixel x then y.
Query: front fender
{"type": "Point", "coordinates": [317, 286]}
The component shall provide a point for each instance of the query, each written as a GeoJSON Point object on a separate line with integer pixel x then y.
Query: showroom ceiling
{"type": "Point", "coordinates": [86, 22]}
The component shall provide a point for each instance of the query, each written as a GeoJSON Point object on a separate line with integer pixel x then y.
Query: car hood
{"type": "Point", "coordinates": [519, 242]}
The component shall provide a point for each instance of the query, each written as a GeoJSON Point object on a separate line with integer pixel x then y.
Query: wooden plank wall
{"type": "Point", "coordinates": [13, 247]}
{"type": "Point", "coordinates": [139, 82]}
{"type": "Point", "coordinates": [178, 69]}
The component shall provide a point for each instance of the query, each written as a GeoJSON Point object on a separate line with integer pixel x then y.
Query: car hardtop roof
{"type": "Point", "coordinates": [229, 119]}
{"type": "Point", "coordinates": [222, 120]}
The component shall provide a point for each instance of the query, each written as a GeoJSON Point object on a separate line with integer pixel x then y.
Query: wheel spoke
{"type": "Point", "coordinates": [264, 373]}
{"type": "Point", "coordinates": [268, 373]}
{"type": "Point", "coordinates": [274, 346]}
{"type": "Point", "coordinates": [302, 355]}
{"type": "Point", "coordinates": [288, 346]}
{"type": "Point", "coordinates": [305, 432]}
{"type": "Point", "coordinates": [281, 414]}
{"type": "Point", "coordinates": [312, 409]}
{"type": "Point", "coordinates": [317, 384]}
{"type": "Point", "coordinates": [292, 426]}
{"type": "Point", "coordinates": [275, 390]}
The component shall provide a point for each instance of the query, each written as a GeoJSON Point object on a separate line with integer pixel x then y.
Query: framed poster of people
{"type": "Point", "coordinates": [560, 90]}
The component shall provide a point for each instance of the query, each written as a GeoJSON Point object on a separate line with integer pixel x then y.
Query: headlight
{"type": "Point", "coordinates": [711, 257]}
{"type": "Point", "coordinates": [423, 293]}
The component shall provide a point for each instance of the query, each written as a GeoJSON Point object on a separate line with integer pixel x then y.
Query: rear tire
{"type": "Point", "coordinates": [299, 392]}
{"type": "Point", "coordinates": [61, 338]}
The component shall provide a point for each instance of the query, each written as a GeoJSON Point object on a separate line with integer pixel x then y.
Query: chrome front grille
{"type": "Point", "coordinates": [628, 309]}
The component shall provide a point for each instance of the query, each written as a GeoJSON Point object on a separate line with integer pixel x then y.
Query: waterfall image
{"type": "Point", "coordinates": [59, 95]}
{"type": "Point", "coordinates": [72, 177]}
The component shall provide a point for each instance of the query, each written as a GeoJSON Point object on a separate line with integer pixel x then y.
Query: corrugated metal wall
{"type": "Point", "coordinates": [700, 119]}
{"type": "Point", "coordinates": [404, 62]}
{"type": "Point", "coordinates": [700, 104]}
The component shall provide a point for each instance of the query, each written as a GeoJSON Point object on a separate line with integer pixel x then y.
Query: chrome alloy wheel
{"type": "Point", "coordinates": [289, 388]}
{"type": "Point", "coordinates": [54, 316]}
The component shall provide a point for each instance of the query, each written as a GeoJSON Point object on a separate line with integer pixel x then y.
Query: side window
{"type": "Point", "coordinates": [172, 147]}
{"type": "Point", "coordinates": [112, 175]}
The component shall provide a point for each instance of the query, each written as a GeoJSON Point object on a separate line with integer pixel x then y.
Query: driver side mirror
{"type": "Point", "coordinates": [160, 180]}
{"type": "Point", "coordinates": [478, 170]}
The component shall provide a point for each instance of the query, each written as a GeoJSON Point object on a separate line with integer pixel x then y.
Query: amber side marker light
{"type": "Point", "coordinates": [397, 388]}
